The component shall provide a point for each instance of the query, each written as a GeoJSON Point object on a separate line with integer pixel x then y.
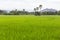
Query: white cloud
{"type": "Point", "coordinates": [28, 4]}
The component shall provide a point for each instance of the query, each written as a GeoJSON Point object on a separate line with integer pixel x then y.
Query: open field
{"type": "Point", "coordinates": [29, 27]}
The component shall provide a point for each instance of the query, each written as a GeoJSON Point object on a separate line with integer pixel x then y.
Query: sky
{"type": "Point", "coordinates": [29, 5]}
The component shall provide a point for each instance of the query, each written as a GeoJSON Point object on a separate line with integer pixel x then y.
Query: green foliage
{"type": "Point", "coordinates": [37, 13]}
{"type": "Point", "coordinates": [58, 12]}
{"type": "Point", "coordinates": [49, 13]}
{"type": "Point", "coordinates": [29, 27]}
{"type": "Point", "coordinates": [23, 12]}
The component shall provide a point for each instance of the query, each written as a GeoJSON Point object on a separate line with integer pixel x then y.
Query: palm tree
{"type": "Point", "coordinates": [35, 9]}
{"type": "Point", "coordinates": [40, 6]}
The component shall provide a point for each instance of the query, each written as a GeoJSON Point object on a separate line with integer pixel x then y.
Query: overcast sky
{"type": "Point", "coordinates": [28, 4]}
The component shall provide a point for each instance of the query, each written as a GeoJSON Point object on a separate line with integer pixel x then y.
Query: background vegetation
{"type": "Point", "coordinates": [17, 12]}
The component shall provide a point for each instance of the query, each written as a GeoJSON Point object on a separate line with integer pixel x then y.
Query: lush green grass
{"type": "Point", "coordinates": [29, 27]}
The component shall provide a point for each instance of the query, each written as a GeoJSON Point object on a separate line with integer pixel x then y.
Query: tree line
{"type": "Point", "coordinates": [23, 12]}
{"type": "Point", "coordinates": [16, 12]}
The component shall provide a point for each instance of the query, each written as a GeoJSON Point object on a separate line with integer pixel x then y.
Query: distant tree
{"type": "Point", "coordinates": [40, 6]}
{"type": "Point", "coordinates": [49, 13]}
{"type": "Point", "coordinates": [45, 13]}
{"type": "Point", "coordinates": [58, 12]}
{"type": "Point", "coordinates": [23, 10]}
{"type": "Point", "coordinates": [14, 12]}
{"type": "Point", "coordinates": [37, 8]}
{"type": "Point", "coordinates": [35, 11]}
{"type": "Point", "coordinates": [2, 12]}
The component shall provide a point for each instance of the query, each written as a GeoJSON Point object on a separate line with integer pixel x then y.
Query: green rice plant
{"type": "Point", "coordinates": [29, 27]}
